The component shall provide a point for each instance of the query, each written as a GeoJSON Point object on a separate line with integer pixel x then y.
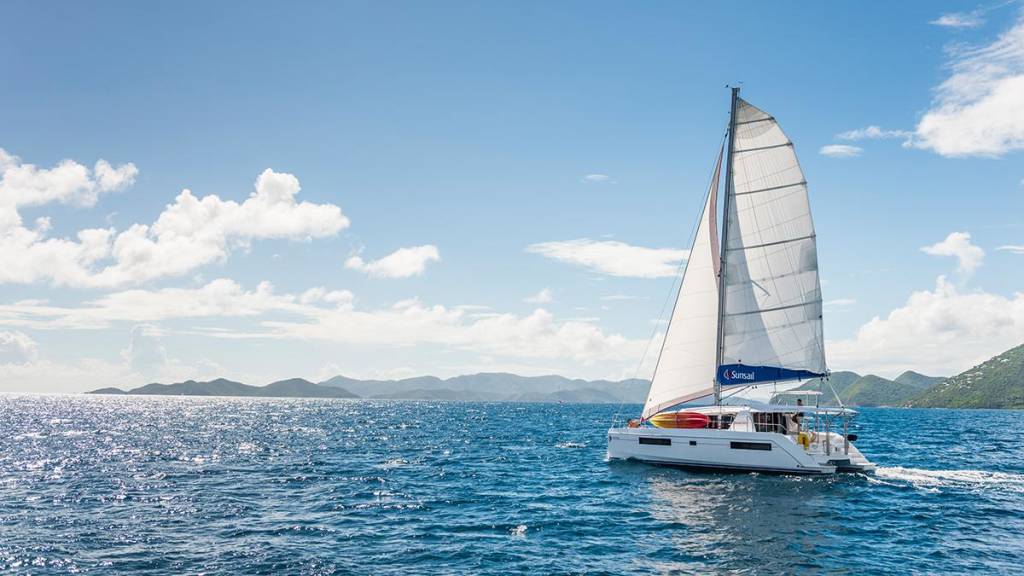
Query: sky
{"type": "Point", "coordinates": [389, 189]}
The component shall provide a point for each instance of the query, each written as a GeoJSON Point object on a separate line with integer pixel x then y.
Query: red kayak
{"type": "Point", "coordinates": [680, 420]}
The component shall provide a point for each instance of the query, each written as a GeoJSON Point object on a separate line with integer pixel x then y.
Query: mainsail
{"type": "Point", "coordinates": [686, 366]}
{"type": "Point", "coordinates": [771, 303]}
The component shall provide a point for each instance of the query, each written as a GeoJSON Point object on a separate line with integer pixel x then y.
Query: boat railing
{"type": "Point", "coordinates": [818, 425]}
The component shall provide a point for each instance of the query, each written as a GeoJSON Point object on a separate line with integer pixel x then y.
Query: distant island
{"type": "Point", "coordinates": [996, 383]}
{"type": "Point", "coordinates": [498, 387]}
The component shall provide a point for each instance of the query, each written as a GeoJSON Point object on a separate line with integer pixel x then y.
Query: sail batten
{"type": "Point", "coordinates": [686, 366]}
{"type": "Point", "coordinates": [771, 306]}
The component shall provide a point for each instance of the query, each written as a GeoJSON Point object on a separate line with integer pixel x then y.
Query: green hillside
{"type": "Point", "coordinates": [996, 383]}
{"type": "Point", "coordinates": [918, 380]}
{"type": "Point", "coordinates": [874, 390]}
{"type": "Point", "coordinates": [840, 381]}
{"type": "Point", "coordinates": [871, 390]}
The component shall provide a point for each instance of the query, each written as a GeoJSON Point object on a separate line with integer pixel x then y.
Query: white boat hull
{"type": "Point", "coordinates": [735, 450]}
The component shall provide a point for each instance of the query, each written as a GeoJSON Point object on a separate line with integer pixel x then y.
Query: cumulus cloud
{"type": "Point", "coordinates": [614, 258]}
{"type": "Point", "coordinates": [145, 353]}
{"type": "Point", "coordinates": [941, 331]}
{"type": "Point", "coordinates": [979, 109]}
{"type": "Point", "coordinates": [191, 232]}
{"type": "Point", "coordinates": [958, 245]}
{"type": "Point", "coordinates": [17, 348]}
{"type": "Point", "coordinates": [339, 298]}
{"type": "Point", "coordinates": [545, 296]}
{"type": "Point", "coordinates": [401, 263]}
{"type": "Point", "coordinates": [23, 184]}
{"type": "Point", "coordinates": [840, 151]}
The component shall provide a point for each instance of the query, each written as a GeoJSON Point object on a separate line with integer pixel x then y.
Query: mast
{"type": "Point", "coordinates": [725, 244]}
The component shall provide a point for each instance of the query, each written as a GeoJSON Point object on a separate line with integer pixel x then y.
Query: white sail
{"type": "Point", "coordinates": [686, 366]}
{"type": "Point", "coordinates": [772, 300]}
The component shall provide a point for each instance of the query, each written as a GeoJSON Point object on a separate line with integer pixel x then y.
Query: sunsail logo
{"type": "Point", "coordinates": [734, 375]}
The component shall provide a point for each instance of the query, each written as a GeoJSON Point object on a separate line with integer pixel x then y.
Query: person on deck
{"type": "Point", "coordinates": [798, 416]}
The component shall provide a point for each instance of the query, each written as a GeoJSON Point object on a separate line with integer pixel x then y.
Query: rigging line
{"type": "Point", "coordinates": [680, 272]}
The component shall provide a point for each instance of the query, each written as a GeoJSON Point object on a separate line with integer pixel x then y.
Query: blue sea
{"type": "Point", "coordinates": [171, 485]}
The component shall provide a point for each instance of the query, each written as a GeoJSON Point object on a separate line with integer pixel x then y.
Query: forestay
{"type": "Point", "coordinates": [772, 326]}
{"type": "Point", "coordinates": [686, 366]}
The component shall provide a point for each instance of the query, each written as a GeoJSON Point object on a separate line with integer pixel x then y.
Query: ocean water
{"type": "Point", "coordinates": [151, 485]}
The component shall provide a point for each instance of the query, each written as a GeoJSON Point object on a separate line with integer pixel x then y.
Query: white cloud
{"type": "Point", "coordinates": [110, 179]}
{"type": "Point", "coordinates": [191, 232]}
{"type": "Point", "coordinates": [840, 151]}
{"type": "Point", "coordinates": [77, 375]}
{"type": "Point", "coordinates": [598, 179]}
{"type": "Point", "coordinates": [545, 296]}
{"type": "Point", "coordinates": [873, 133]}
{"type": "Point", "coordinates": [339, 298]}
{"type": "Point", "coordinates": [938, 332]}
{"type": "Point", "coordinates": [979, 109]}
{"type": "Point", "coordinates": [613, 257]}
{"type": "Point", "coordinates": [959, 20]}
{"type": "Point", "coordinates": [401, 263]}
{"type": "Point", "coordinates": [1015, 249]}
{"type": "Point", "coordinates": [17, 348]}
{"type": "Point", "coordinates": [409, 323]}
{"type": "Point", "coordinates": [145, 354]}
{"type": "Point", "coordinates": [43, 375]}
{"type": "Point", "coordinates": [319, 314]}
{"type": "Point", "coordinates": [68, 182]}
{"type": "Point", "coordinates": [219, 298]}
{"type": "Point", "coordinates": [958, 244]}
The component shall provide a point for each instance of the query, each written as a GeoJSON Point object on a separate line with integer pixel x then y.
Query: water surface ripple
{"type": "Point", "coordinates": [165, 485]}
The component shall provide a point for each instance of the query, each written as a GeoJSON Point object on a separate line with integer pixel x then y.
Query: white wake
{"type": "Point", "coordinates": [967, 479]}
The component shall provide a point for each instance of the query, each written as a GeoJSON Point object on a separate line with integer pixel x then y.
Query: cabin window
{"type": "Point", "coordinates": [770, 422]}
{"type": "Point", "coordinates": [656, 441]}
{"type": "Point", "coordinates": [750, 445]}
{"type": "Point", "coordinates": [723, 422]}
{"type": "Point", "coordinates": [693, 442]}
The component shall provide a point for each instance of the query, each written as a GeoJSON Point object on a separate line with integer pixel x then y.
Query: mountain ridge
{"type": "Point", "coordinates": [290, 388]}
{"type": "Point", "coordinates": [995, 383]}
{"type": "Point", "coordinates": [485, 386]}
{"type": "Point", "coordinates": [871, 390]}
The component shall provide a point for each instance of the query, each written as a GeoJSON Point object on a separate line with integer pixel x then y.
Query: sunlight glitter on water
{"type": "Point", "coordinates": [217, 485]}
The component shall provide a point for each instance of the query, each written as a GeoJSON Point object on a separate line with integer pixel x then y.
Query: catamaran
{"type": "Point", "coordinates": [747, 316]}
